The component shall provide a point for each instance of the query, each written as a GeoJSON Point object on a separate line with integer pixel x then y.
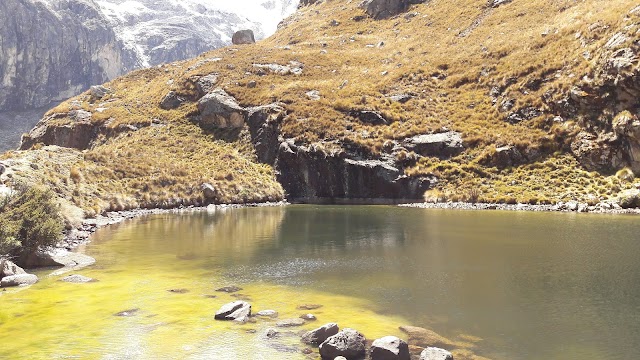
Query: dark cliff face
{"type": "Point", "coordinates": [50, 53]}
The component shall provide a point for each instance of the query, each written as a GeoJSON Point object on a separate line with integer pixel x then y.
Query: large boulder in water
{"type": "Point", "coordinates": [37, 259]}
{"type": "Point", "coordinates": [382, 9]}
{"type": "Point", "coordinates": [243, 37]}
{"type": "Point", "coordinates": [237, 311]}
{"type": "Point", "coordinates": [390, 348]}
{"type": "Point", "coordinates": [321, 334]}
{"type": "Point", "coordinates": [348, 343]}
{"type": "Point", "coordinates": [219, 110]}
{"type": "Point", "coordinates": [18, 280]}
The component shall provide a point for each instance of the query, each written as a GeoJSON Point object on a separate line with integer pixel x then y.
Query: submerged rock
{"type": "Point", "coordinates": [127, 313]}
{"type": "Point", "coordinates": [308, 306]}
{"type": "Point", "coordinates": [308, 317]}
{"type": "Point", "coordinates": [78, 279]}
{"type": "Point", "coordinates": [18, 280]}
{"type": "Point", "coordinates": [272, 333]}
{"type": "Point", "coordinates": [425, 337]}
{"type": "Point", "coordinates": [390, 348]}
{"type": "Point", "coordinates": [321, 334]}
{"type": "Point", "coordinates": [237, 311]}
{"type": "Point", "coordinates": [348, 343]}
{"type": "Point", "coordinates": [178, 291]}
{"type": "Point", "coordinates": [267, 313]}
{"type": "Point", "coordinates": [290, 322]}
{"type": "Point", "coordinates": [229, 289]}
{"type": "Point", "coordinates": [433, 353]}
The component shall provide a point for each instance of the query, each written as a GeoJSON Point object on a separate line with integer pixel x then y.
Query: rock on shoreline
{"type": "Point", "coordinates": [12, 275]}
{"type": "Point", "coordinates": [571, 206]}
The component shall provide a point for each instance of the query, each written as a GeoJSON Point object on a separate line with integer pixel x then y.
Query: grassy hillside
{"type": "Point", "coordinates": [497, 75]}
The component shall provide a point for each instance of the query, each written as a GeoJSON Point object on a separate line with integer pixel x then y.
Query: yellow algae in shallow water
{"type": "Point", "coordinates": [55, 319]}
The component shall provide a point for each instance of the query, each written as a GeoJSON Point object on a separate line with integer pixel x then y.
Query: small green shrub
{"type": "Point", "coordinates": [30, 220]}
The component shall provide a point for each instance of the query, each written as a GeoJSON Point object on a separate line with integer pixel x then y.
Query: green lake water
{"type": "Point", "coordinates": [529, 285]}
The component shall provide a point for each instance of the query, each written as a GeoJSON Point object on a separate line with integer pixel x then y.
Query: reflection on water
{"type": "Point", "coordinates": [533, 286]}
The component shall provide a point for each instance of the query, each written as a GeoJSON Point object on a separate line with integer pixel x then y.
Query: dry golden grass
{"type": "Point", "coordinates": [448, 54]}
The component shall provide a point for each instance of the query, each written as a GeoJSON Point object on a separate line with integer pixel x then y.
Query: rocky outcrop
{"type": "Point", "coordinates": [314, 174]}
{"type": "Point", "coordinates": [210, 192]}
{"type": "Point", "coordinates": [442, 145]}
{"type": "Point", "coordinates": [629, 199]}
{"type": "Point", "coordinates": [264, 126]}
{"type": "Point", "coordinates": [219, 110]}
{"type": "Point", "coordinates": [53, 51]}
{"type": "Point", "coordinates": [601, 152]}
{"type": "Point", "coordinates": [382, 9]}
{"type": "Point", "coordinates": [171, 101]}
{"type": "Point", "coordinates": [369, 117]}
{"type": "Point", "coordinates": [390, 348]}
{"type": "Point", "coordinates": [77, 134]}
{"type": "Point", "coordinates": [321, 334]}
{"type": "Point", "coordinates": [606, 104]}
{"type": "Point", "coordinates": [98, 92]}
{"type": "Point", "coordinates": [432, 353]}
{"type": "Point", "coordinates": [206, 84]}
{"type": "Point", "coordinates": [496, 3]}
{"type": "Point", "coordinates": [37, 259]}
{"type": "Point", "coordinates": [308, 2]}
{"type": "Point", "coordinates": [7, 268]}
{"type": "Point", "coordinates": [243, 37]}
{"type": "Point", "coordinates": [236, 311]}
{"type": "Point", "coordinates": [348, 343]}
{"type": "Point", "coordinates": [293, 68]}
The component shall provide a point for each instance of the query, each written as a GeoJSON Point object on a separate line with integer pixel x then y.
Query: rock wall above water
{"type": "Point", "coordinates": [53, 51]}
